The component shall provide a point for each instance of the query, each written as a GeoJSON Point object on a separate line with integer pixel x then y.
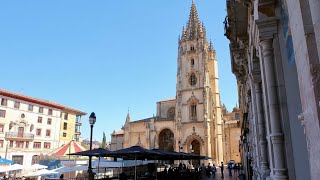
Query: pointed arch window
{"type": "Point", "coordinates": [193, 111]}
{"type": "Point", "coordinates": [171, 113]}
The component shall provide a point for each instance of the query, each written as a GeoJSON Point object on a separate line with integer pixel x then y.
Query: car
{"type": "Point", "coordinates": [231, 164]}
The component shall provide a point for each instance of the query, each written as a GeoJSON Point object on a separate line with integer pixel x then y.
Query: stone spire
{"type": "Point", "coordinates": [128, 117]}
{"type": "Point", "coordinates": [194, 28]}
{"type": "Point", "coordinates": [210, 46]}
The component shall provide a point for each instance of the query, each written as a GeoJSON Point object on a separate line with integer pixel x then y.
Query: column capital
{"type": "Point", "coordinates": [256, 76]}
{"type": "Point", "coordinates": [267, 27]}
{"type": "Point", "coordinates": [276, 138]}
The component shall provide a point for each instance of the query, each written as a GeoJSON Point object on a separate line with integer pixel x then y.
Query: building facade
{"type": "Point", "coordinates": [191, 122]}
{"type": "Point", "coordinates": [231, 134]}
{"type": "Point", "coordinates": [70, 125]}
{"type": "Point", "coordinates": [116, 140]}
{"type": "Point", "coordinates": [29, 127]}
{"type": "Point", "coordinates": [274, 47]}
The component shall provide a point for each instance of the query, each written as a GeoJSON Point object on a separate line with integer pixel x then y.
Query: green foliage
{"type": "Point", "coordinates": [104, 141]}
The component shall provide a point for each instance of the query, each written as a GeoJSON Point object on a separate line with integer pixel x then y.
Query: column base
{"type": "Point", "coordinates": [280, 174]}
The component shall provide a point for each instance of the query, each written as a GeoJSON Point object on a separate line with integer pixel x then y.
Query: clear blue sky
{"type": "Point", "coordinates": [104, 55]}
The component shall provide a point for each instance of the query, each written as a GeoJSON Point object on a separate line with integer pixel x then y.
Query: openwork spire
{"type": "Point", "coordinates": [128, 117]}
{"type": "Point", "coordinates": [194, 27]}
{"type": "Point", "coordinates": [210, 46]}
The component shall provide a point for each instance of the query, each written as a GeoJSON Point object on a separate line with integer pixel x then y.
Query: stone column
{"type": "Point", "coordinates": [264, 167]}
{"type": "Point", "coordinates": [267, 29]}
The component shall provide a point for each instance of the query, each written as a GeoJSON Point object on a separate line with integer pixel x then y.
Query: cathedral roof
{"type": "Point", "coordinates": [142, 120]}
{"type": "Point", "coordinates": [170, 99]}
{"type": "Point", "coordinates": [118, 132]}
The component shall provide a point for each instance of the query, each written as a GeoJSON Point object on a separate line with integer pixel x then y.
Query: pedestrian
{"type": "Point", "coordinates": [209, 170]}
{"type": "Point", "coordinates": [214, 170]}
{"type": "Point", "coordinates": [222, 168]}
{"type": "Point", "coordinates": [203, 171]}
{"type": "Point", "coordinates": [229, 169]}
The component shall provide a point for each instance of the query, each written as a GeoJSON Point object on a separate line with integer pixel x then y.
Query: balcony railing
{"type": "Point", "coordinates": [17, 135]}
{"type": "Point", "coordinates": [77, 132]}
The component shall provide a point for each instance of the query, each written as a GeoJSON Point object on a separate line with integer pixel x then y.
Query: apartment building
{"type": "Point", "coordinates": [30, 127]}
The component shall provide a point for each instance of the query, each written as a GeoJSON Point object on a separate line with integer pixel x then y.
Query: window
{"type": "Point", "coordinates": [237, 116]}
{"type": "Point", "coordinates": [17, 160]}
{"type": "Point", "coordinates": [19, 144]}
{"type": "Point", "coordinates": [1, 143]}
{"type": "Point", "coordinates": [37, 145]}
{"type": "Point", "coordinates": [49, 111]}
{"type": "Point", "coordinates": [1, 128]}
{"type": "Point", "coordinates": [64, 134]}
{"type": "Point", "coordinates": [4, 102]}
{"type": "Point", "coordinates": [40, 109]}
{"type": "Point", "coordinates": [66, 116]}
{"type": "Point", "coordinates": [171, 113]}
{"type": "Point", "coordinates": [30, 107]}
{"type": "Point", "coordinates": [192, 48]}
{"type": "Point", "coordinates": [49, 121]}
{"type": "Point", "coordinates": [192, 79]}
{"type": "Point", "coordinates": [16, 105]}
{"type": "Point", "coordinates": [192, 62]}
{"type": "Point", "coordinates": [35, 159]}
{"type": "Point", "coordinates": [11, 144]}
{"type": "Point", "coordinates": [27, 145]}
{"type": "Point", "coordinates": [39, 119]}
{"type": "Point", "coordinates": [193, 110]}
{"type": "Point", "coordinates": [65, 126]}
{"type": "Point", "coordinates": [47, 145]}
{"type": "Point", "coordinates": [38, 132]}
{"type": "Point", "coordinates": [3, 113]}
{"type": "Point", "coordinates": [48, 133]}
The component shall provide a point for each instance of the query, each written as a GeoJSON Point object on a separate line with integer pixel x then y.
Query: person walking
{"type": "Point", "coordinates": [214, 170]}
{"type": "Point", "coordinates": [222, 168]}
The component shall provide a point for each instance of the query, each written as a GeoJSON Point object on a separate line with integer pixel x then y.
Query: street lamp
{"type": "Point", "coordinates": [92, 120]}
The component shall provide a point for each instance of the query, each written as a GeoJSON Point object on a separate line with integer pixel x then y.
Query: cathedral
{"type": "Point", "coordinates": [192, 121]}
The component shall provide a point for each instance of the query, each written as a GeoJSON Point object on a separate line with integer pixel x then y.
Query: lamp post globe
{"type": "Point", "coordinates": [92, 121]}
{"type": "Point", "coordinates": [92, 118]}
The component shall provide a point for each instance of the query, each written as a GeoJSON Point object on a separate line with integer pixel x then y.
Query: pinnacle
{"type": "Point", "coordinates": [194, 27]}
{"type": "Point", "coordinates": [128, 117]}
{"type": "Point", "coordinates": [210, 46]}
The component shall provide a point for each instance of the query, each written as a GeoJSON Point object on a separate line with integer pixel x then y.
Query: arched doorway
{"type": "Point", "coordinates": [166, 140]}
{"type": "Point", "coordinates": [195, 149]}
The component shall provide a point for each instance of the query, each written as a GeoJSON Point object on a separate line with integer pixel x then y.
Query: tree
{"type": "Point", "coordinates": [104, 141]}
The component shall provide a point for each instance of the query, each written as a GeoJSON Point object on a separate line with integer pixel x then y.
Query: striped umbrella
{"type": "Point", "coordinates": [71, 147]}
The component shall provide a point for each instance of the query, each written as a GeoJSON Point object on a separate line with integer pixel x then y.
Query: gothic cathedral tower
{"type": "Point", "coordinates": [198, 112]}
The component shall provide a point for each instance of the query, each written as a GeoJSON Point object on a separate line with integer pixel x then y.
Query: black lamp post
{"type": "Point", "coordinates": [92, 120]}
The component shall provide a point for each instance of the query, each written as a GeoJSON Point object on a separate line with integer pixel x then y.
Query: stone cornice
{"type": "Point", "coordinates": [267, 27]}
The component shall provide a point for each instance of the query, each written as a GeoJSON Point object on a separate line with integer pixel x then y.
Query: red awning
{"type": "Point", "coordinates": [71, 147]}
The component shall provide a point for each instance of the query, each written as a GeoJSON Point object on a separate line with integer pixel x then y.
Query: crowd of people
{"type": "Point", "coordinates": [188, 172]}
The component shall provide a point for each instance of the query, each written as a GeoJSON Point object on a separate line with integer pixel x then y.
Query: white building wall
{"type": "Point", "coordinates": [30, 124]}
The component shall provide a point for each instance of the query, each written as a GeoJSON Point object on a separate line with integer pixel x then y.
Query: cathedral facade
{"type": "Point", "coordinates": [192, 121]}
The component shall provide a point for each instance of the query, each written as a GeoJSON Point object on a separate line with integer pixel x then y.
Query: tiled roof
{"type": "Point", "coordinates": [39, 101]}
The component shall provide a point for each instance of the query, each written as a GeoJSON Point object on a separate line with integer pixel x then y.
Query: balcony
{"type": "Point", "coordinates": [78, 123]}
{"type": "Point", "coordinates": [77, 132]}
{"type": "Point", "coordinates": [19, 136]}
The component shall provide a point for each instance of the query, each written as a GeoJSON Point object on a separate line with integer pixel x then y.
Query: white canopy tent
{"type": "Point", "coordinates": [102, 163]}
{"type": "Point", "coordinates": [37, 166]}
{"type": "Point", "coordinates": [66, 169]}
{"type": "Point", "coordinates": [40, 173]}
{"type": "Point", "coordinates": [13, 167]}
